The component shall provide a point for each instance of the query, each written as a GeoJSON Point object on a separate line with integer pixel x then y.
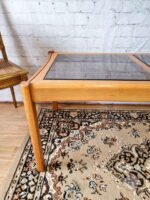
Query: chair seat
{"type": "Point", "coordinates": [11, 74]}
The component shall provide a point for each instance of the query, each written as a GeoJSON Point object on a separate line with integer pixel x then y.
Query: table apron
{"type": "Point", "coordinates": [123, 93]}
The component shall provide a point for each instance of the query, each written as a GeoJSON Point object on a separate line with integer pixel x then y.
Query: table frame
{"type": "Point", "coordinates": [37, 90]}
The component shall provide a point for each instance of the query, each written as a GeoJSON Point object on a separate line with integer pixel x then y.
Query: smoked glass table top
{"type": "Point", "coordinates": [145, 58]}
{"type": "Point", "coordinates": [97, 67]}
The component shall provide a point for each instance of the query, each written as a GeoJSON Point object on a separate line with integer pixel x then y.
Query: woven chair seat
{"type": "Point", "coordinates": [11, 74]}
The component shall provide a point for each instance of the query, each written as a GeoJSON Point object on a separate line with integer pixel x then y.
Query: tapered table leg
{"type": "Point", "coordinates": [55, 106]}
{"type": "Point", "coordinates": [31, 115]}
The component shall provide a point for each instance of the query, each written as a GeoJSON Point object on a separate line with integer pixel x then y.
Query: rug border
{"type": "Point", "coordinates": [13, 168]}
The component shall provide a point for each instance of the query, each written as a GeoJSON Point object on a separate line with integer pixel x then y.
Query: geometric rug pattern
{"type": "Point", "coordinates": [89, 155]}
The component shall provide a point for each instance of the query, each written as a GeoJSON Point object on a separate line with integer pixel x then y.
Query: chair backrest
{"type": "Point", "coordinates": [2, 49]}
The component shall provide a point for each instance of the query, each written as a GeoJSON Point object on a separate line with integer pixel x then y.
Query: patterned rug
{"type": "Point", "coordinates": [90, 155]}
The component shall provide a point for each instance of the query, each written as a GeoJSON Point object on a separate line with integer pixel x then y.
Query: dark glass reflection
{"type": "Point", "coordinates": [145, 58]}
{"type": "Point", "coordinates": [95, 67]}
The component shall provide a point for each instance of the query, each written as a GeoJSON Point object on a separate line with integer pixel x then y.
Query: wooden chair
{"type": "Point", "coordinates": [10, 73]}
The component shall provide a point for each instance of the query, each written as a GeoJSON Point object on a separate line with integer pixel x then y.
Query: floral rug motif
{"type": "Point", "coordinates": [90, 155]}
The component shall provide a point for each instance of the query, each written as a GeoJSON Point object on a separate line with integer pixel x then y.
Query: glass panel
{"type": "Point", "coordinates": [95, 67]}
{"type": "Point", "coordinates": [145, 58]}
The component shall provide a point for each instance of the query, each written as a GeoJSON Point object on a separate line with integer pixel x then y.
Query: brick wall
{"type": "Point", "coordinates": [32, 27]}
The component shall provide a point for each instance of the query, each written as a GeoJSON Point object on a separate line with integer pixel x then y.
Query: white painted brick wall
{"type": "Point", "coordinates": [32, 27]}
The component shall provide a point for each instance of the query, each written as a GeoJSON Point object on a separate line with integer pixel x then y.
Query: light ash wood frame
{"type": "Point", "coordinates": [38, 90]}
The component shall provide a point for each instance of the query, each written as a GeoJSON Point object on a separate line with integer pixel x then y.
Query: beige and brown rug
{"type": "Point", "coordinates": [90, 155]}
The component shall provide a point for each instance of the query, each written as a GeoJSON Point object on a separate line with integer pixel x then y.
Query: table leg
{"type": "Point", "coordinates": [55, 106]}
{"type": "Point", "coordinates": [31, 115]}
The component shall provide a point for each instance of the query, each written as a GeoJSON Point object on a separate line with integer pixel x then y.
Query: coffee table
{"type": "Point", "coordinates": [84, 77]}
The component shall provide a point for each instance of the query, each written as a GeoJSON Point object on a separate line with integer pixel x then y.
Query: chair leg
{"type": "Point", "coordinates": [13, 96]}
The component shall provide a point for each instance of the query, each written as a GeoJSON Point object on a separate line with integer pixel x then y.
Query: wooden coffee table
{"type": "Point", "coordinates": [84, 77]}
